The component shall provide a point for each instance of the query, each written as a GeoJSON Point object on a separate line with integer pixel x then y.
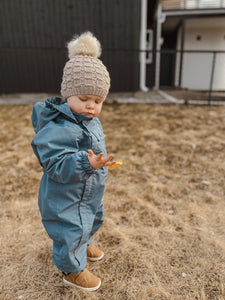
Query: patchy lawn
{"type": "Point", "coordinates": [164, 231]}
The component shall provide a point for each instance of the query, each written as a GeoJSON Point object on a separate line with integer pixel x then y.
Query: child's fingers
{"type": "Point", "coordinates": [99, 157]}
{"type": "Point", "coordinates": [110, 163]}
{"type": "Point", "coordinates": [108, 158]}
{"type": "Point", "coordinates": [90, 152]}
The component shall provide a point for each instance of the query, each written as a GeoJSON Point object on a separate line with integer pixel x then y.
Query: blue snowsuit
{"type": "Point", "coordinates": [70, 194]}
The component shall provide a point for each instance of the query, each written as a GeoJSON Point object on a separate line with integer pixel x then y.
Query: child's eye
{"type": "Point", "coordinates": [83, 99]}
{"type": "Point", "coordinates": [98, 101]}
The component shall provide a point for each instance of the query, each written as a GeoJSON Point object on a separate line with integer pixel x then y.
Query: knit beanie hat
{"type": "Point", "coordinates": [84, 73]}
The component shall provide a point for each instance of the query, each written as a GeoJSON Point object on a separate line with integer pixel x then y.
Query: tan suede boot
{"type": "Point", "coordinates": [93, 253]}
{"type": "Point", "coordinates": [83, 280]}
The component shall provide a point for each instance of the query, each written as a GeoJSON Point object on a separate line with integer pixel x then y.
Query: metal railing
{"type": "Point", "coordinates": [192, 4]}
{"type": "Point", "coordinates": [200, 74]}
{"type": "Point", "coordinates": [194, 70]}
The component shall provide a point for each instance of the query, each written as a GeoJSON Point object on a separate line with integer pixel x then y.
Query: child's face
{"type": "Point", "coordinates": [88, 105]}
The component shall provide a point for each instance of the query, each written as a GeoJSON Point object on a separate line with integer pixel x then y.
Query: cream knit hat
{"type": "Point", "coordinates": [84, 73]}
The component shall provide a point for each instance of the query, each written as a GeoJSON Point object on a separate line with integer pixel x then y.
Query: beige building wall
{"type": "Point", "coordinates": [202, 34]}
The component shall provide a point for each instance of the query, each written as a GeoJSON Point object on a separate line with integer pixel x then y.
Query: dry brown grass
{"type": "Point", "coordinates": [164, 232]}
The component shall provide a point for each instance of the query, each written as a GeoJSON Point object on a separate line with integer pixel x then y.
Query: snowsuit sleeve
{"type": "Point", "coordinates": [58, 152]}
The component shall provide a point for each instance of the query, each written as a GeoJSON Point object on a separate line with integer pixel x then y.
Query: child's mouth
{"type": "Point", "coordinates": [88, 114]}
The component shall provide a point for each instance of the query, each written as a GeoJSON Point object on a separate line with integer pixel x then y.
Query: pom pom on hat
{"type": "Point", "coordinates": [85, 44]}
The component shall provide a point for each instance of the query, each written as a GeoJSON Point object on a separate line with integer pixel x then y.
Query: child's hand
{"type": "Point", "coordinates": [98, 161]}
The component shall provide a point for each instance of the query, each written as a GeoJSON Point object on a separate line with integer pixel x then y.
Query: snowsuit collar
{"type": "Point", "coordinates": [81, 118]}
{"type": "Point", "coordinates": [43, 113]}
{"type": "Point", "coordinates": [61, 105]}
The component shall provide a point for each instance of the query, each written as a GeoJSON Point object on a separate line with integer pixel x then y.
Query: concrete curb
{"type": "Point", "coordinates": [154, 97]}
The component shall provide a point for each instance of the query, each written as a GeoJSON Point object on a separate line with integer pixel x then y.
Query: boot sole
{"type": "Point", "coordinates": [95, 258]}
{"type": "Point", "coordinates": [92, 289]}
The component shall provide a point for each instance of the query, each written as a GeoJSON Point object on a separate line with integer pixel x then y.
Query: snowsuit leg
{"type": "Point", "coordinates": [99, 218]}
{"type": "Point", "coordinates": [69, 255]}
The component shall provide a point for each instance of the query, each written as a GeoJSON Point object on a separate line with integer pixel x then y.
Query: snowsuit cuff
{"type": "Point", "coordinates": [86, 165]}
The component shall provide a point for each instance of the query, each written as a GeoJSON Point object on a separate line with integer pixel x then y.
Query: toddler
{"type": "Point", "coordinates": [70, 147]}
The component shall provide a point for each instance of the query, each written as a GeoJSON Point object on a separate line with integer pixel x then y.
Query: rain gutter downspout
{"type": "Point", "coordinates": [142, 54]}
{"type": "Point", "coordinates": [160, 19]}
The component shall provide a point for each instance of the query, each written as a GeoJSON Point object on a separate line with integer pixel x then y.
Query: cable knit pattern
{"type": "Point", "coordinates": [85, 74]}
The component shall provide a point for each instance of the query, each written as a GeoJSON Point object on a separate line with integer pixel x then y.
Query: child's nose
{"type": "Point", "coordinates": [90, 104]}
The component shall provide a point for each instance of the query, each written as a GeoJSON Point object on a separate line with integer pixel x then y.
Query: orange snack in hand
{"type": "Point", "coordinates": [118, 163]}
